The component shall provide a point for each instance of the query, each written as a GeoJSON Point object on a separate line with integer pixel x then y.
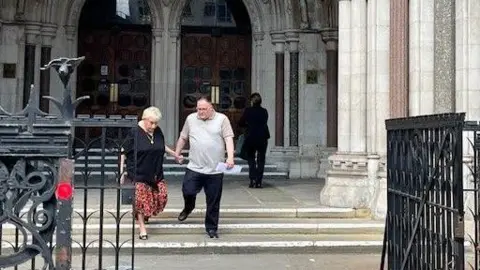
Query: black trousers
{"type": "Point", "coordinates": [212, 185]}
{"type": "Point", "coordinates": [256, 166]}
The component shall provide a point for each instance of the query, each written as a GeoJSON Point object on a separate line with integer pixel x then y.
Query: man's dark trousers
{"type": "Point", "coordinates": [212, 185]}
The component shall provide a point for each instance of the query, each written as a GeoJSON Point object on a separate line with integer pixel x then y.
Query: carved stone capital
{"type": "Point", "coordinates": [174, 33]}
{"type": "Point", "coordinates": [70, 31]}
{"type": "Point", "coordinates": [277, 36]}
{"type": "Point", "coordinates": [293, 38]}
{"type": "Point", "coordinates": [157, 34]}
{"type": "Point", "coordinates": [258, 36]}
{"type": "Point", "coordinates": [330, 38]}
{"type": "Point", "coordinates": [48, 32]}
{"type": "Point", "coordinates": [32, 33]}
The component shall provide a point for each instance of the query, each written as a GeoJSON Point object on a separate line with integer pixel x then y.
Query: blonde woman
{"type": "Point", "coordinates": [147, 172]}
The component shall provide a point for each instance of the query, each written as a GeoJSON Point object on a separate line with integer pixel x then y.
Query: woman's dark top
{"type": "Point", "coordinates": [149, 169]}
{"type": "Point", "coordinates": [255, 120]}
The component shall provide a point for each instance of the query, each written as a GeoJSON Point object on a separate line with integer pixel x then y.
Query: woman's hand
{"type": "Point", "coordinates": [179, 158]}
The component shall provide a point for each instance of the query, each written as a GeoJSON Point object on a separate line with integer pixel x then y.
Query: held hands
{"type": "Point", "coordinates": [179, 158]}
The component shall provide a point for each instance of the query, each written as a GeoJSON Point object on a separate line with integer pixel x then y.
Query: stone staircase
{"type": "Point", "coordinates": [92, 165]}
{"type": "Point", "coordinates": [266, 230]}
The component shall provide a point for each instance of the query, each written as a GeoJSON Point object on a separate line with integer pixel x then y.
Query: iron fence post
{"type": "Point", "coordinates": [64, 195]}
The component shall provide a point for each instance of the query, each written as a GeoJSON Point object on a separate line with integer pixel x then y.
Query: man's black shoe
{"type": "Point", "coordinates": [183, 215]}
{"type": "Point", "coordinates": [212, 233]}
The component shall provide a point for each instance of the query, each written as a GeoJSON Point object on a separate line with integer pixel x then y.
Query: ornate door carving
{"type": "Point", "coordinates": [116, 71]}
{"type": "Point", "coordinates": [218, 67]}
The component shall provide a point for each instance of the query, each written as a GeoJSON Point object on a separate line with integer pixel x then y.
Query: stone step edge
{"type": "Point", "coordinates": [181, 173]}
{"type": "Point", "coordinates": [301, 212]}
{"type": "Point", "coordinates": [239, 226]}
{"type": "Point", "coordinates": [219, 246]}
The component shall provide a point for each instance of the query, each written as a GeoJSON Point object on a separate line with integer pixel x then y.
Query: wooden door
{"type": "Point", "coordinates": [218, 67]}
{"type": "Point", "coordinates": [116, 71]}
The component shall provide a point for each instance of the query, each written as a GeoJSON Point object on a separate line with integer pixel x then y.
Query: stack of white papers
{"type": "Point", "coordinates": [222, 167]}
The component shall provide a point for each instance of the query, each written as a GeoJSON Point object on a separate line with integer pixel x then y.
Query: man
{"type": "Point", "coordinates": [207, 132]}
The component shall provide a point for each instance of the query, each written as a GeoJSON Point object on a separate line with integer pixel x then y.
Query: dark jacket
{"type": "Point", "coordinates": [254, 119]}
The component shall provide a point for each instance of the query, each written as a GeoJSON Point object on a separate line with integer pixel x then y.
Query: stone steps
{"type": "Point", "coordinates": [92, 166]}
{"type": "Point", "coordinates": [229, 244]}
{"type": "Point", "coordinates": [242, 230]}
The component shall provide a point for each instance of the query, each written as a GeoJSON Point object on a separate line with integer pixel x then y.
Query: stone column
{"type": "Point", "coordinates": [257, 63]}
{"type": "Point", "coordinates": [421, 55]}
{"type": "Point", "coordinates": [358, 86]}
{"type": "Point", "coordinates": [278, 39]}
{"type": "Point", "coordinates": [172, 69]}
{"type": "Point", "coordinates": [158, 91]}
{"type": "Point", "coordinates": [48, 34]}
{"type": "Point", "coordinates": [399, 58]}
{"type": "Point", "coordinates": [330, 37]}
{"type": "Point", "coordinates": [348, 183]}
{"type": "Point", "coordinates": [293, 39]}
{"type": "Point", "coordinates": [31, 39]}
{"type": "Point", "coordinates": [444, 61]}
{"type": "Point", "coordinates": [344, 75]}
{"type": "Point", "coordinates": [70, 33]}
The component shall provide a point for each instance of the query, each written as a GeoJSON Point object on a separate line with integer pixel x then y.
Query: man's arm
{"type": "Point", "coordinates": [228, 135]}
{"type": "Point", "coordinates": [230, 148]}
{"type": "Point", "coordinates": [180, 144]}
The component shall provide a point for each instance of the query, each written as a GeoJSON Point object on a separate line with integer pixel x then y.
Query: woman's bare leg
{"type": "Point", "coordinates": [141, 224]}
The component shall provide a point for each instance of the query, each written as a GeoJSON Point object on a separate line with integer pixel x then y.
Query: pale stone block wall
{"type": "Point", "coordinates": [12, 52]}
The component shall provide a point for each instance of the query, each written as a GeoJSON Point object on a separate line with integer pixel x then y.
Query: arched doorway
{"type": "Point", "coordinates": [115, 36]}
{"type": "Point", "coordinates": [215, 57]}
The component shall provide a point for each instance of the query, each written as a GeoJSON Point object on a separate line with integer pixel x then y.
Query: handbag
{"type": "Point", "coordinates": [240, 150]}
{"type": "Point", "coordinates": [127, 191]}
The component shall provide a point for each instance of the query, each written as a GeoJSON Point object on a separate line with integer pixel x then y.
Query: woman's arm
{"type": "Point", "coordinates": [170, 151]}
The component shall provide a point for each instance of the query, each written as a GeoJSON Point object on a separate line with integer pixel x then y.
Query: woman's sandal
{"type": "Point", "coordinates": [143, 237]}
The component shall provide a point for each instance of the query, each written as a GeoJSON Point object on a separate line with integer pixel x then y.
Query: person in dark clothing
{"type": "Point", "coordinates": [146, 172]}
{"type": "Point", "coordinates": [254, 119]}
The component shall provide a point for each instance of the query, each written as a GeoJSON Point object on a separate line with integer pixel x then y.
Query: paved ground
{"type": "Point", "coordinates": [235, 262]}
{"type": "Point", "coordinates": [276, 193]}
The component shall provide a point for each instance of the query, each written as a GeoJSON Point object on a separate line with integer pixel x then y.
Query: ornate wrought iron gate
{"type": "Point", "coordinates": [425, 216]}
{"type": "Point", "coordinates": [42, 163]}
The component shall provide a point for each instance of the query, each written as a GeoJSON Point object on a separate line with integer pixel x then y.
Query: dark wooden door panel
{"type": "Point", "coordinates": [116, 71]}
{"type": "Point", "coordinates": [218, 66]}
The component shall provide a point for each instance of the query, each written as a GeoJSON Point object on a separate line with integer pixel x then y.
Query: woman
{"type": "Point", "coordinates": [254, 119]}
{"type": "Point", "coordinates": [147, 172]}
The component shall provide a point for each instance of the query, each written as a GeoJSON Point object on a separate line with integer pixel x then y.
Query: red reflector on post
{"type": "Point", "coordinates": [64, 191]}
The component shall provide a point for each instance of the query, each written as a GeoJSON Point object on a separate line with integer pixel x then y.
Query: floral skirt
{"type": "Point", "coordinates": [150, 202]}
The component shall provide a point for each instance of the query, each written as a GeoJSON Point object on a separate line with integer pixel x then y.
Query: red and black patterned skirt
{"type": "Point", "coordinates": [148, 201]}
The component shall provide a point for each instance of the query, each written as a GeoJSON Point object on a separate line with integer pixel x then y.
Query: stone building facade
{"type": "Point", "coordinates": [289, 62]}
{"type": "Point", "coordinates": [330, 72]}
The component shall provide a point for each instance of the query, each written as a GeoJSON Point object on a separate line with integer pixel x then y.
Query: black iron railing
{"type": "Point", "coordinates": [425, 216]}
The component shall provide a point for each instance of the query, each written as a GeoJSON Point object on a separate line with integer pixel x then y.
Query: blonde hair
{"type": "Point", "coordinates": [152, 112]}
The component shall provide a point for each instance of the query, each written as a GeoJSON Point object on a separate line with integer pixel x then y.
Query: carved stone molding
{"type": "Point", "coordinates": [48, 32]}
{"type": "Point", "coordinates": [32, 33]}
{"type": "Point", "coordinates": [292, 38]}
{"type": "Point", "coordinates": [167, 2]}
{"type": "Point", "coordinates": [157, 34]}
{"type": "Point", "coordinates": [70, 31]}
{"type": "Point", "coordinates": [330, 38]}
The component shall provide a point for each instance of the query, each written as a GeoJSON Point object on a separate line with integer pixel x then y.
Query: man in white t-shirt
{"type": "Point", "coordinates": [207, 132]}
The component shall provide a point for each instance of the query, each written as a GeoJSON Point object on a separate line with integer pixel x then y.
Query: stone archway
{"type": "Point", "coordinates": [73, 10]}
{"type": "Point", "coordinates": [257, 9]}
{"type": "Point", "coordinates": [261, 23]}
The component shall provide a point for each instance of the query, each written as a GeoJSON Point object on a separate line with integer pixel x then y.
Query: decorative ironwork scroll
{"type": "Point", "coordinates": [32, 143]}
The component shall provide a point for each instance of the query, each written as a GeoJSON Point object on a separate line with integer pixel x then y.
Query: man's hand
{"type": "Point", "coordinates": [230, 163]}
{"type": "Point", "coordinates": [179, 158]}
